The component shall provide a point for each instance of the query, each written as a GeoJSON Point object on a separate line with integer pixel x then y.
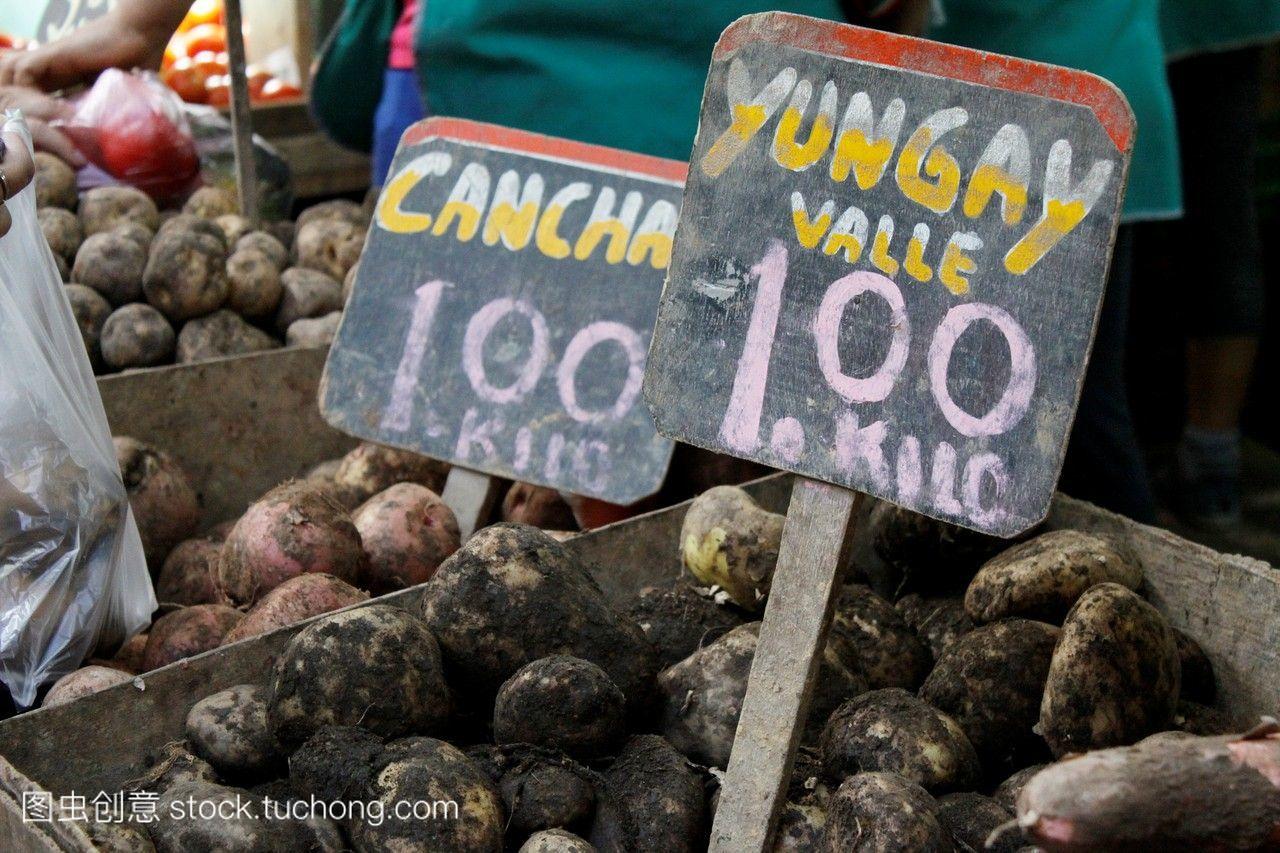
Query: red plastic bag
{"type": "Point", "coordinates": [132, 126]}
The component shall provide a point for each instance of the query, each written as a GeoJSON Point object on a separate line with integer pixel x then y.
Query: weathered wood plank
{"type": "Point", "coordinates": [241, 120]}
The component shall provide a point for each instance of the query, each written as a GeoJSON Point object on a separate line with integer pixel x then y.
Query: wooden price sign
{"type": "Point", "coordinates": [886, 277]}
{"type": "Point", "coordinates": [501, 313]}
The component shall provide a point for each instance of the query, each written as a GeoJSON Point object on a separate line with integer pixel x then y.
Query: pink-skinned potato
{"type": "Point", "coordinates": [190, 574]}
{"type": "Point", "coordinates": [129, 656]}
{"type": "Point", "coordinates": [407, 532]}
{"type": "Point", "coordinates": [372, 468]}
{"type": "Point", "coordinates": [187, 632]}
{"type": "Point", "coordinates": [82, 682]}
{"type": "Point", "coordinates": [295, 600]}
{"type": "Point", "coordinates": [294, 529]}
{"type": "Point", "coordinates": [164, 503]}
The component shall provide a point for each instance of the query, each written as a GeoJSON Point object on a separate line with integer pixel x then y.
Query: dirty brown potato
{"type": "Point", "coordinates": [376, 666]}
{"type": "Point", "coordinates": [407, 532]}
{"type": "Point", "coordinates": [265, 244]}
{"type": "Point", "coordinates": [539, 506]}
{"type": "Point", "coordinates": [82, 682]}
{"type": "Point", "coordinates": [136, 335]}
{"type": "Point", "coordinates": [246, 828]}
{"type": "Point", "coordinates": [650, 778]}
{"type": "Point", "coordinates": [330, 246]}
{"type": "Point", "coordinates": [218, 335]}
{"type": "Point", "coordinates": [678, 621]}
{"type": "Point", "coordinates": [990, 681]}
{"type": "Point", "coordinates": [186, 223]}
{"type": "Point", "coordinates": [1006, 793]}
{"type": "Point", "coordinates": [561, 702]}
{"type": "Point", "coordinates": [373, 468]}
{"type": "Point", "coordinates": [893, 731]}
{"type": "Point", "coordinates": [1198, 682]}
{"type": "Point", "coordinates": [870, 635]}
{"type": "Point", "coordinates": [253, 282]}
{"type": "Point", "coordinates": [55, 182]}
{"type": "Point", "coordinates": [129, 656]}
{"type": "Point", "coordinates": [140, 234]}
{"type": "Point", "coordinates": [111, 264]}
{"type": "Point", "coordinates": [103, 208]}
{"type": "Point", "coordinates": [512, 595]}
{"type": "Point", "coordinates": [173, 766]}
{"type": "Point", "coordinates": [313, 331]}
{"type": "Point", "coordinates": [186, 632]}
{"type": "Point", "coordinates": [1042, 578]}
{"type": "Point", "coordinates": [233, 227]}
{"type": "Point", "coordinates": [411, 766]}
{"type": "Point", "coordinates": [336, 209]}
{"type": "Point", "coordinates": [229, 730]}
{"type": "Point", "coordinates": [64, 269]}
{"type": "Point", "coordinates": [118, 837]}
{"type": "Point", "coordinates": [925, 555]}
{"type": "Point", "coordinates": [295, 600]}
{"type": "Point", "coordinates": [971, 818]}
{"type": "Point", "coordinates": [165, 506]}
{"type": "Point", "coordinates": [802, 826]}
{"type": "Point", "coordinates": [728, 540]}
{"type": "Point", "coordinates": [306, 294]}
{"type": "Point", "coordinates": [883, 812]}
{"type": "Point", "coordinates": [291, 530]}
{"type": "Point", "coordinates": [91, 311]}
{"type": "Point", "coordinates": [186, 275]}
{"type": "Point", "coordinates": [336, 763]}
{"type": "Point", "coordinates": [1196, 719]}
{"type": "Point", "coordinates": [210, 203]}
{"type": "Point", "coordinates": [541, 788]}
{"type": "Point", "coordinates": [938, 621]}
{"type": "Point", "coordinates": [1114, 676]}
{"type": "Point", "coordinates": [61, 229]}
{"type": "Point", "coordinates": [190, 574]}
{"type": "Point", "coordinates": [555, 841]}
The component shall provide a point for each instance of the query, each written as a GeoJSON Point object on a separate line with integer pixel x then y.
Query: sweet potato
{"type": "Point", "coordinates": [407, 532]}
{"type": "Point", "coordinates": [55, 182]}
{"type": "Point", "coordinates": [539, 506]}
{"type": "Point", "coordinates": [82, 682]}
{"type": "Point", "coordinates": [220, 334]}
{"type": "Point", "coordinates": [291, 530]}
{"type": "Point", "coordinates": [728, 540]}
{"type": "Point", "coordinates": [295, 600]}
{"type": "Point", "coordinates": [372, 468]}
{"type": "Point", "coordinates": [112, 265]}
{"type": "Point", "coordinates": [870, 635]}
{"type": "Point", "coordinates": [650, 778]}
{"type": "Point", "coordinates": [136, 335]}
{"type": "Point", "coordinates": [103, 208]}
{"type": "Point", "coordinates": [561, 702]}
{"type": "Point", "coordinates": [253, 282]}
{"type": "Point", "coordinates": [186, 274]}
{"type": "Point", "coordinates": [187, 632]}
{"type": "Point", "coordinates": [190, 574]}
{"type": "Point", "coordinates": [678, 620]}
{"type": "Point", "coordinates": [164, 504]}
{"type": "Point", "coordinates": [229, 730]}
{"type": "Point", "coordinates": [882, 811]}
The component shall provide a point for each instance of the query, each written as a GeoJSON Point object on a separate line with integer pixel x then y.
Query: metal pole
{"type": "Point", "coordinates": [241, 119]}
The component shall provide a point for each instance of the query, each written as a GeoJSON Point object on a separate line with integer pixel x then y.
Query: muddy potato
{"type": "Point", "coordinates": [82, 682]}
{"type": "Point", "coordinates": [376, 666]}
{"type": "Point", "coordinates": [512, 595]}
{"type": "Point", "coordinates": [407, 532]}
{"type": "Point", "coordinates": [1006, 793]}
{"type": "Point", "coordinates": [187, 632]}
{"type": "Point", "coordinates": [990, 682]}
{"type": "Point", "coordinates": [118, 837]}
{"type": "Point", "coordinates": [555, 841]}
{"type": "Point", "coordinates": [61, 229]}
{"type": "Point", "coordinates": [295, 600]}
{"type": "Point", "coordinates": [330, 246]}
{"type": "Point", "coordinates": [540, 788]}
{"type": "Point", "coordinates": [1196, 719]}
{"type": "Point", "coordinates": [186, 274]}
{"type": "Point", "coordinates": [129, 655]}
{"type": "Point", "coordinates": [1041, 578]}
{"type": "Point", "coordinates": [91, 311]}
{"type": "Point", "coordinates": [678, 621]}
{"type": "Point", "coordinates": [971, 818]}
{"type": "Point", "coordinates": [802, 826]}
{"type": "Point", "coordinates": [136, 335]}
{"type": "Point", "coordinates": [1114, 676]}
{"type": "Point", "coordinates": [247, 826]}
{"type": "Point", "coordinates": [650, 778]}
{"type": "Point", "coordinates": [186, 223]}
{"type": "Point", "coordinates": [64, 269]}
{"type": "Point", "coordinates": [210, 203]}
{"type": "Point", "coordinates": [337, 209]}
{"type": "Point", "coordinates": [893, 731]}
{"type": "Point", "coordinates": [284, 231]}
{"type": "Point", "coordinates": [939, 622]}
{"type": "Point", "coordinates": [306, 294]}
{"type": "Point", "coordinates": [292, 530]}
{"type": "Point", "coordinates": [253, 282]}
{"type": "Point", "coordinates": [190, 574]}
{"type": "Point", "coordinates": [55, 182]}
{"type": "Point", "coordinates": [884, 812]}
{"type": "Point", "coordinates": [229, 730]}
{"type": "Point", "coordinates": [140, 234]}
{"type": "Point", "coordinates": [266, 244]}
{"type": "Point", "coordinates": [233, 227]}
{"type": "Point", "coordinates": [561, 702]}
{"type": "Point", "coordinates": [728, 540]}
{"type": "Point", "coordinates": [313, 331]}
{"type": "Point", "coordinates": [173, 766]}
{"type": "Point", "coordinates": [112, 265]}
{"type": "Point", "coordinates": [218, 335]}
{"type": "Point", "coordinates": [416, 765]}
{"type": "Point", "coordinates": [870, 635]}
{"type": "Point", "coordinates": [1198, 682]}
{"type": "Point", "coordinates": [373, 468]}
{"type": "Point", "coordinates": [336, 763]}
{"type": "Point", "coordinates": [103, 208]}
{"type": "Point", "coordinates": [165, 506]}
{"type": "Point", "coordinates": [923, 554]}
{"type": "Point", "coordinates": [539, 506]}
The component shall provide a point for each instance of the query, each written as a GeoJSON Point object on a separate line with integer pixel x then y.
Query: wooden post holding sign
{"type": "Point", "coordinates": [241, 114]}
{"type": "Point", "coordinates": [500, 316]}
{"type": "Point", "coordinates": [886, 277]}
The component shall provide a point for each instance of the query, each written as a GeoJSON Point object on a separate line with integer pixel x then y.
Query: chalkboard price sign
{"type": "Point", "coordinates": [890, 264]}
{"type": "Point", "coordinates": [503, 306]}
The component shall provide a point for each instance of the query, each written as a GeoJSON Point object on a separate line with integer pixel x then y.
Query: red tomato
{"type": "Point", "coordinates": [206, 37]}
{"type": "Point", "coordinates": [7, 42]}
{"type": "Point", "coordinates": [188, 80]}
{"type": "Point", "coordinates": [143, 146]}
{"type": "Point", "coordinates": [218, 91]}
{"type": "Point", "coordinates": [257, 80]}
{"type": "Point", "coordinates": [202, 12]}
{"type": "Point", "coordinates": [210, 64]}
{"type": "Point", "coordinates": [278, 90]}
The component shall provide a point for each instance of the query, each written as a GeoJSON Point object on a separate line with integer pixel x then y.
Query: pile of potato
{"type": "Point", "coordinates": [151, 287]}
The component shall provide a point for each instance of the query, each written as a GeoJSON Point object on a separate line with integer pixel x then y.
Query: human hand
{"type": "Point", "coordinates": [40, 110]}
{"type": "Point", "coordinates": [17, 168]}
{"type": "Point", "coordinates": [113, 41]}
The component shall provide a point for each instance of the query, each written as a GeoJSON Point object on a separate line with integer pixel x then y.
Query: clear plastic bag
{"type": "Point", "coordinates": [72, 573]}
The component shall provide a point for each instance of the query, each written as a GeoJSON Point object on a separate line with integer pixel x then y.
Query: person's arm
{"type": "Point", "coordinates": [898, 16]}
{"type": "Point", "coordinates": [18, 169]}
{"type": "Point", "coordinates": [132, 35]}
{"type": "Point", "coordinates": [39, 109]}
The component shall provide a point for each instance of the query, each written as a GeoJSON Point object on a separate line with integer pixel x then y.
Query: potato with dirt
{"type": "Point", "coordinates": [1043, 577]}
{"type": "Point", "coordinates": [313, 331]}
{"type": "Point", "coordinates": [883, 812]}
{"type": "Point", "coordinates": [407, 532]}
{"type": "Point", "coordinates": [187, 632]}
{"type": "Point", "coordinates": [871, 636]}
{"type": "Point", "coordinates": [129, 656]}
{"type": "Point", "coordinates": [728, 540]}
{"type": "Point", "coordinates": [1006, 793]}
{"type": "Point", "coordinates": [372, 468]}
{"type": "Point", "coordinates": [186, 274]}
{"type": "Point", "coordinates": [539, 506]}
{"type": "Point", "coordinates": [939, 622]}
{"type": "Point", "coordinates": [923, 554]}
{"type": "Point", "coordinates": [678, 620]}
{"type": "Point", "coordinates": [253, 282]}
{"type": "Point", "coordinates": [246, 825]}
{"type": "Point", "coordinates": [165, 506]}
{"type": "Point", "coordinates": [210, 203]}
{"type": "Point", "coordinates": [190, 574]}
{"type": "Point", "coordinates": [136, 335]}
{"type": "Point", "coordinates": [61, 229]}
{"type": "Point", "coordinates": [555, 841]}
{"type": "Point", "coordinates": [1198, 793]}
{"type": "Point", "coordinates": [229, 730]}
{"type": "Point", "coordinates": [339, 209]}
{"type": "Point", "coordinates": [139, 234]}
{"type": "Point", "coordinates": [218, 335]}
{"type": "Point", "coordinates": [103, 208]}
{"type": "Point", "coordinates": [1114, 677]}
{"type": "Point", "coordinates": [186, 223]}
{"type": "Point", "coordinates": [82, 682]}
{"type": "Point", "coordinates": [55, 182]}
{"type": "Point", "coordinates": [233, 227]}
{"type": "Point", "coordinates": [990, 681]}
{"type": "Point", "coordinates": [336, 763]}
{"type": "Point", "coordinates": [91, 311]}
{"type": "Point", "coordinates": [650, 778]}
{"type": "Point", "coordinates": [561, 702]}
{"type": "Point", "coordinates": [305, 294]}
{"type": "Point", "coordinates": [293, 601]}
{"type": "Point", "coordinates": [265, 244]}
{"type": "Point", "coordinates": [377, 667]}
{"type": "Point", "coordinates": [292, 530]}
{"type": "Point", "coordinates": [174, 765]}
{"type": "Point", "coordinates": [972, 818]}
{"type": "Point", "coordinates": [330, 246]}
{"type": "Point", "coordinates": [512, 595]}
{"type": "Point", "coordinates": [540, 788]}
{"type": "Point", "coordinates": [112, 265]}
{"type": "Point", "coordinates": [892, 730]}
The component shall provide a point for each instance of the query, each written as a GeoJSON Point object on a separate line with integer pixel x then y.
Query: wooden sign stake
{"type": "Point", "coordinates": [805, 586]}
{"type": "Point", "coordinates": [241, 117]}
{"type": "Point", "coordinates": [471, 495]}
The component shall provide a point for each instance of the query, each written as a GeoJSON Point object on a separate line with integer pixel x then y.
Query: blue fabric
{"type": "Point", "coordinates": [400, 107]}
